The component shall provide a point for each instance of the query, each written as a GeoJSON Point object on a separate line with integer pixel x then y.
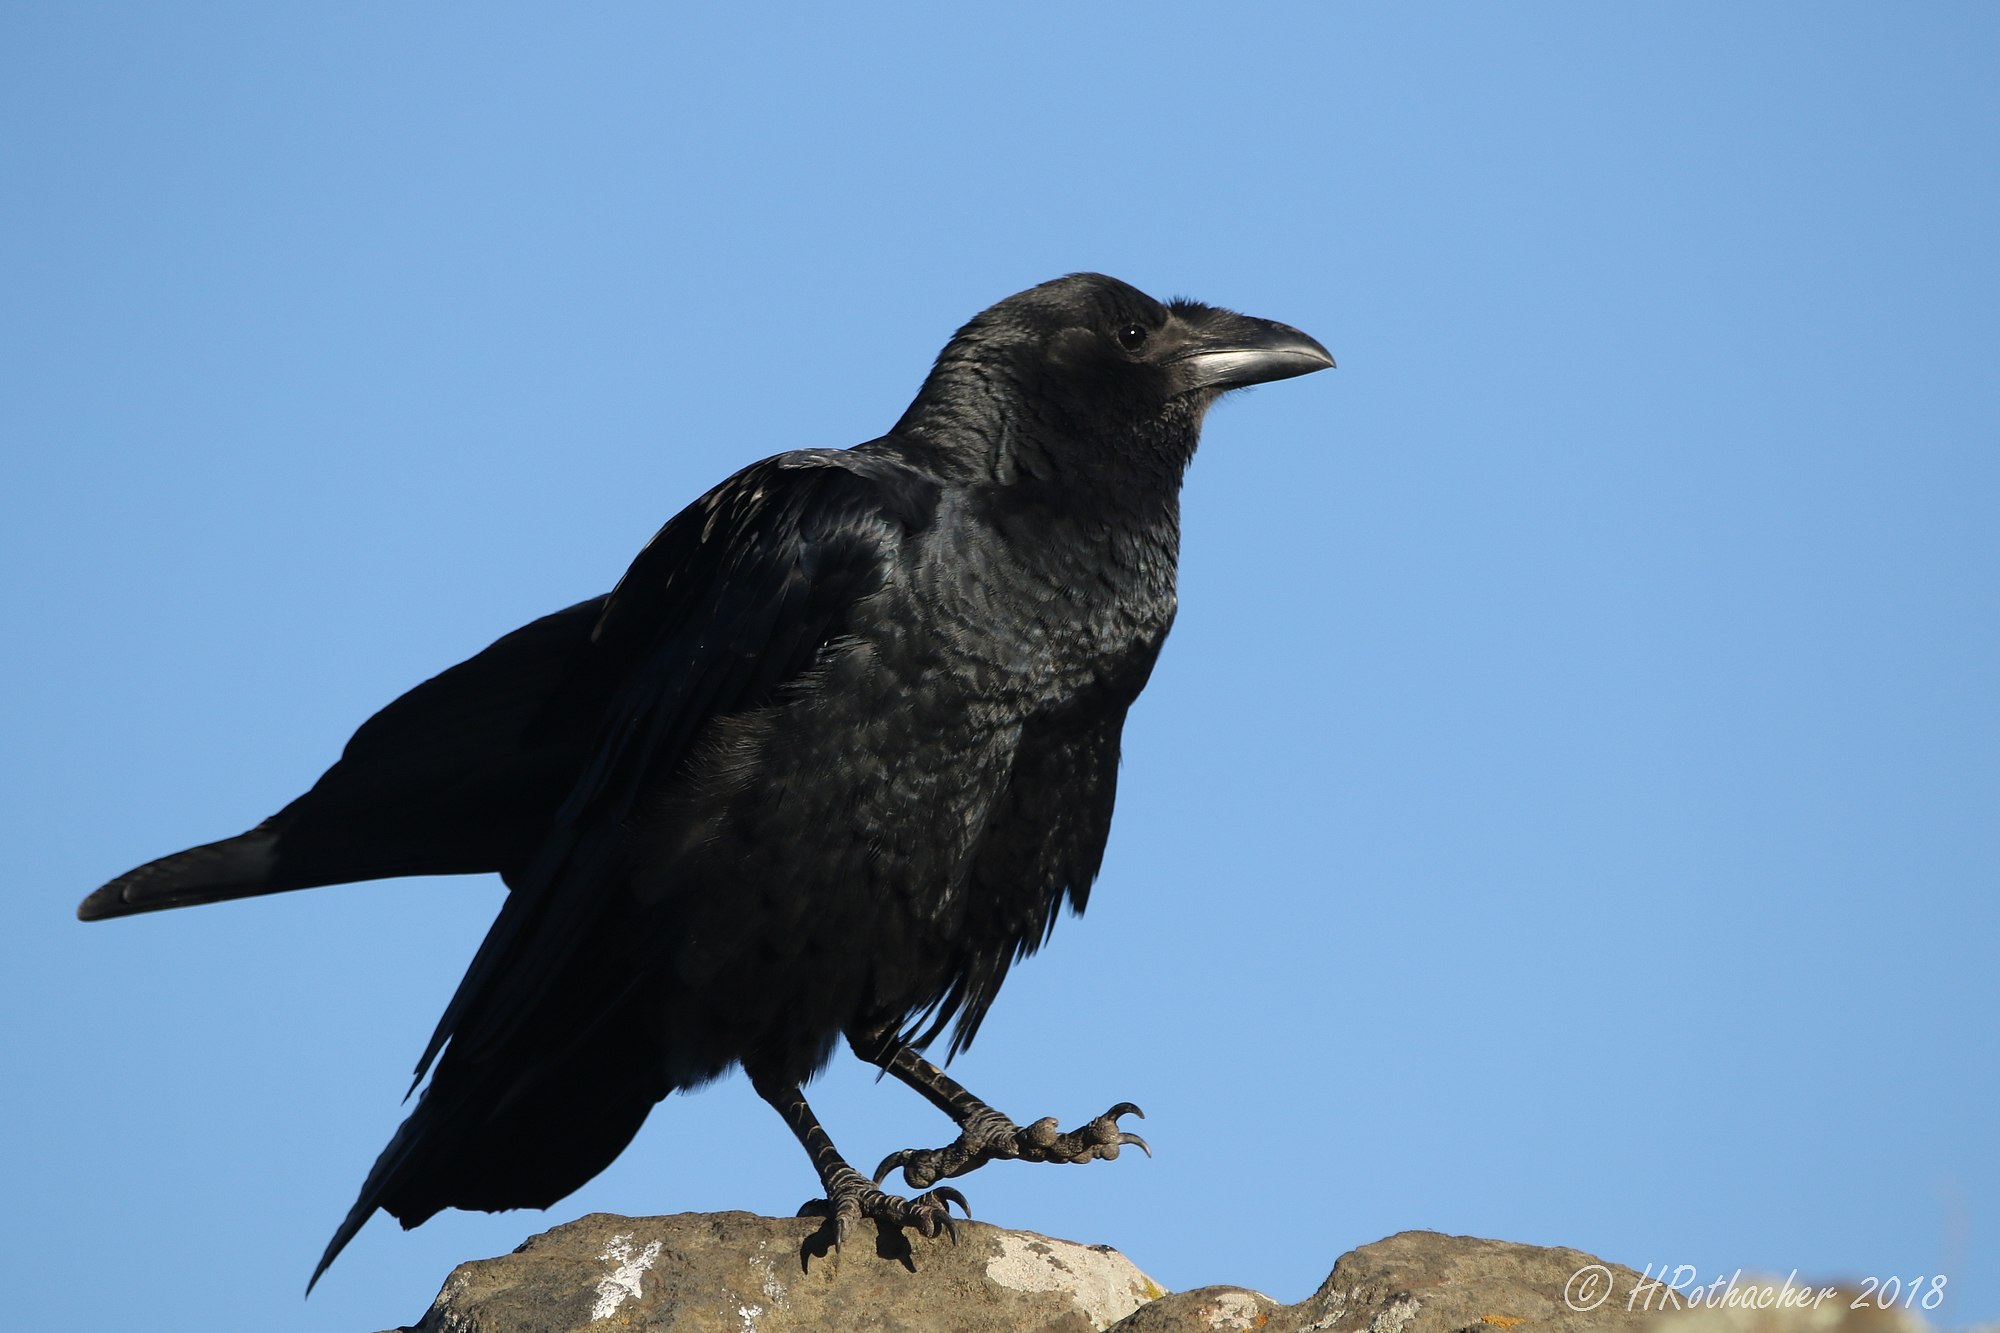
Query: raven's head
{"type": "Point", "coordinates": [1087, 369]}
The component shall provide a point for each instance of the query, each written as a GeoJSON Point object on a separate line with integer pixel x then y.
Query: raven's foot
{"type": "Point", "coordinates": [851, 1197]}
{"type": "Point", "coordinates": [989, 1136]}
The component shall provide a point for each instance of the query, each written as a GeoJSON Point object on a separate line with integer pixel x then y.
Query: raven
{"type": "Point", "coordinates": [825, 763]}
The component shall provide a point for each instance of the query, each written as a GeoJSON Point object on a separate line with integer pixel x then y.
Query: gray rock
{"type": "Point", "coordinates": [1415, 1282]}
{"type": "Point", "coordinates": [1424, 1282]}
{"type": "Point", "coordinates": [746, 1274]}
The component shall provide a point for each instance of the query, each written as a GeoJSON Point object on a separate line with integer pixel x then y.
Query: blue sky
{"type": "Point", "coordinates": [1565, 812]}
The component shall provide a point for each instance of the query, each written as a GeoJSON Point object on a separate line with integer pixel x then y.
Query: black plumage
{"type": "Point", "coordinates": [826, 762]}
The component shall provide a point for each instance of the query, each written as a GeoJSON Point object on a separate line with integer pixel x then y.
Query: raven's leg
{"type": "Point", "coordinates": [986, 1135]}
{"type": "Point", "coordinates": [851, 1196]}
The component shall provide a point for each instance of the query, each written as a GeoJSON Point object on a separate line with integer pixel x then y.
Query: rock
{"type": "Point", "coordinates": [1424, 1282]}
{"type": "Point", "coordinates": [1414, 1282]}
{"type": "Point", "coordinates": [1206, 1308]}
{"type": "Point", "coordinates": [748, 1274]}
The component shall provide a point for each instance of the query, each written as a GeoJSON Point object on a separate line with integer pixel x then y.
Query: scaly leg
{"type": "Point", "coordinates": [851, 1196]}
{"type": "Point", "coordinates": [986, 1135]}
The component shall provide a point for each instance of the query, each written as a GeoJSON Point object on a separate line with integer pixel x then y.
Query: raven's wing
{"type": "Point", "coordinates": [733, 600]}
{"type": "Point", "coordinates": [457, 776]}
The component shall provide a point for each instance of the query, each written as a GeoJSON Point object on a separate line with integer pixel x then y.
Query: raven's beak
{"type": "Point", "coordinates": [1226, 350]}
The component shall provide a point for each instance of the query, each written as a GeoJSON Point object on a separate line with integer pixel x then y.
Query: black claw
{"type": "Point", "coordinates": [994, 1138]}
{"type": "Point", "coordinates": [945, 1194]}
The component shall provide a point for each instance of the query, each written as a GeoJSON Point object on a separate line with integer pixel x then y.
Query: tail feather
{"type": "Point", "coordinates": [458, 776]}
{"type": "Point", "coordinates": [239, 867]}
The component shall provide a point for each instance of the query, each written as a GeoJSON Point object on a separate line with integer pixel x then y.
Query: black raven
{"type": "Point", "coordinates": [825, 763]}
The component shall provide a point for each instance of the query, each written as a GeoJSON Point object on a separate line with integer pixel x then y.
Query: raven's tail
{"type": "Point", "coordinates": [456, 777]}
{"type": "Point", "coordinates": [239, 867]}
{"type": "Point", "coordinates": [285, 852]}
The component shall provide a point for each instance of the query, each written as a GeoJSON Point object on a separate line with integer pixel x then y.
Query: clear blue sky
{"type": "Point", "coordinates": [1566, 810]}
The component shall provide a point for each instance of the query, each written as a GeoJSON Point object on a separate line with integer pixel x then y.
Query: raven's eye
{"type": "Point", "coordinates": [1132, 337]}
